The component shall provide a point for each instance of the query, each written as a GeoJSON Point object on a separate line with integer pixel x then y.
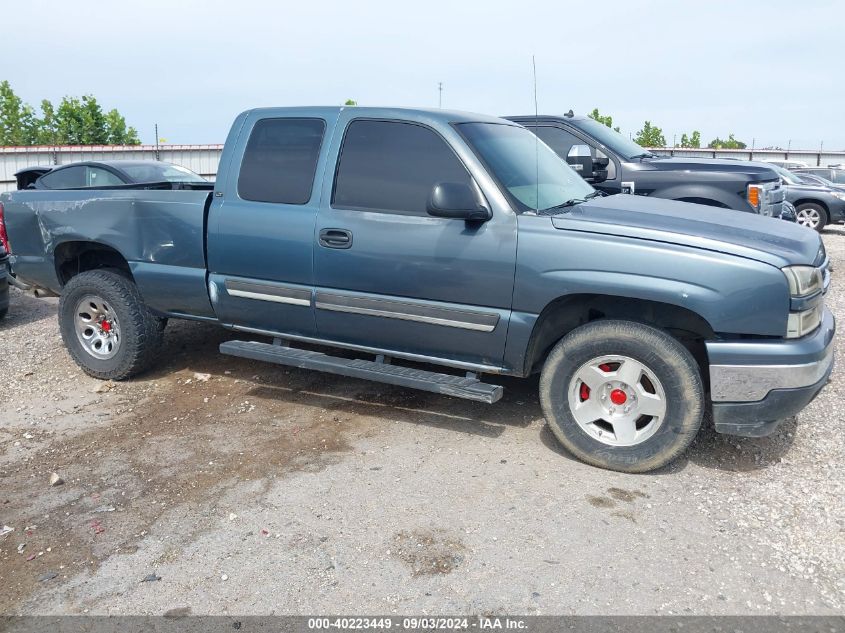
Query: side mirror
{"type": "Point", "coordinates": [583, 165]}
{"type": "Point", "coordinates": [458, 201]}
{"type": "Point", "coordinates": [599, 174]}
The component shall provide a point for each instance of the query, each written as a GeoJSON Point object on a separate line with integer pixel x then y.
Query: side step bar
{"type": "Point", "coordinates": [468, 387]}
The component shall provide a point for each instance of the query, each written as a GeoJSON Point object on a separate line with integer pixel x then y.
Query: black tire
{"type": "Point", "coordinates": [671, 363]}
{"type": "Point", "coordinates": [140, 330]}
{"type": "Point", "coordinates": [811, 206]}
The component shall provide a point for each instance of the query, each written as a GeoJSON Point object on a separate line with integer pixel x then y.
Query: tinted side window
{"type": "Point", "coordinates": [98, 177]}
{"type": "Point", "coordinates": [64, 178]}
{"type": "Point", "coordinates": [559, 140]}
{"type": "Point", "coordinates": [567, 146]}
{"type": "Point", "coordinates": [280, 160]}
{"type": "Point", "coordinates": [837, 176]}
{"type": "Point", "coordinates": [393, 166]}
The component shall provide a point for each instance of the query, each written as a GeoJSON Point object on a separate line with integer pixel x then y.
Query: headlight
{"type": "Point", "coordinates": [803, 280]}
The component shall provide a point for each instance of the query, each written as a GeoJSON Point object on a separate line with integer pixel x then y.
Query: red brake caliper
{"type": "Point", "coordinates": [584, 392]}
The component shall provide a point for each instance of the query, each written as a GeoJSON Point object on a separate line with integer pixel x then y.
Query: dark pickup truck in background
{"type": "Point", "coordinates": [615, 164]}
{"type": "Point", "coordinates": [427, 237]}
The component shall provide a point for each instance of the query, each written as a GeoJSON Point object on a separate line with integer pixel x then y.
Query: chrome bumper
{"type": "Point", "coordinates": [797, 363]}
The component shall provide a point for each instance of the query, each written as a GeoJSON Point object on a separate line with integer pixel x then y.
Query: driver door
{"type": "Point", "coordinates": [388, 275]}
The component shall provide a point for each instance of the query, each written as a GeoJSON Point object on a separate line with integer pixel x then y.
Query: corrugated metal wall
{"type": "Point", "coordinates": [203, 159]}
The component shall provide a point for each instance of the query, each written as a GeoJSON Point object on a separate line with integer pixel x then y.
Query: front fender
{"type": "Point", "coordinates": [727, 198]}
{"type": "Point", "coordinates": [734, 295]}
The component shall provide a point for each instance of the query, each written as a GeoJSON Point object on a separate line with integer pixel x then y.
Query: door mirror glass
{"type": "Point", "coordinates": [457, 200]}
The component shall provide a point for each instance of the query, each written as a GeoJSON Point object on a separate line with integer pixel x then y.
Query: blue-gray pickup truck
{"type": "Point", "coordinates": [422, 238]}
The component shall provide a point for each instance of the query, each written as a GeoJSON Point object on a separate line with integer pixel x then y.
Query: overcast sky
{"type": "Point", "coordinates": [768, 70]}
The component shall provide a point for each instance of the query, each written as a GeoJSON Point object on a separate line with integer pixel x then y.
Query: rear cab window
{"type": "Point", "coordinates": [280, 160]}
{"type": "Point", "coordinates": [392, 166]}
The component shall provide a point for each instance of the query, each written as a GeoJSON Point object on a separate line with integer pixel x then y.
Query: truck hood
{"type": "Point", "coordinates": [768, 240]}
{"type": "Point", "coordinates": [752, 170]}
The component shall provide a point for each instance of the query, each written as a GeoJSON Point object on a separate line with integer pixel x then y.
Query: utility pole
{"type": "Point", "coordinates": [158, 155]}
{"type": "Point", "coordinates": [439, 94]}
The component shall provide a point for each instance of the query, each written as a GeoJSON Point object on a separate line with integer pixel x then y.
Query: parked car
{"type": "Point", "coordinates": [812, 179]}
{"type": "Point", "coordinates": [816, 205]}
{"type": "Point", "coordinates": [117, 173]}
{"type": "Point", "coordinates": [615, 164]}
{"type": "Point", "coordinates": [456, 240]}
{"type": "Point", "coordinates": [786, 164]}
{"type": "Point", "coordinates": [833, 174]}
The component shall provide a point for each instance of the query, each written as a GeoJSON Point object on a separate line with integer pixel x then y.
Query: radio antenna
{"type": "Point", "coordinates": [536, 140]}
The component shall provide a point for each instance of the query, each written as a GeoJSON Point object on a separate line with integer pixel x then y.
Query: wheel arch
{"type": "Point", "coordinates": [77, 256]}
{"type": "Point", "coordinates": [564, 314]}
{"type": "Point", "coordinates": [814, 201]}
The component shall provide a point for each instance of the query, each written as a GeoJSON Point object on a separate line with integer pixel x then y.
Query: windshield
{"type": "Point", "coordinates": [812, 179]}
{"type": "Point", "coordinates": [626, 148]}
{"type": "Point", "coordinates": [160, 172]}
{"type": "Point", "coordinates": [788, 177]}
{"type": "Point", "coordinates": [534, 176]}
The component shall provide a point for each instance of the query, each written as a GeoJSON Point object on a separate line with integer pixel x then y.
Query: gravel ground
{"type": "Point", "coordinates": [234, 487]}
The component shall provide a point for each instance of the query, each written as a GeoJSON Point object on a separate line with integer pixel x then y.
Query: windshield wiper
{"type": "Point", "coordinates": [644, 155]}
{"type": "Point", "coordinates": [563, 205]}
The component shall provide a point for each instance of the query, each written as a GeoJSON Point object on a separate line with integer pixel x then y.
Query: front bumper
{"type": "Point", "coordinates": [756, 384]}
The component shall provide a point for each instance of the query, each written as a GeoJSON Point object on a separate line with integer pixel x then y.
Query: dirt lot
{"type": "Point", "coordinates": [258, 490]}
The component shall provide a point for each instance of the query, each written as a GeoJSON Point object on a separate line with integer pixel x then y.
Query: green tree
{"type": "Point", "coordinates": [650, 136]}
{"type": "Point", "coordinates": [602, 118]}
{"type": "Point", "coordinates": [17, 120]}
{"type": "Point", "coordinates": [47, 134]}
{"type": "Point", "coordinates": [81, 121]}
{"type": "Point", "coordinates": [350, 102]}
{"type": "Point", "coordinates": [691, 141]}
{"type": "Point", "coordinates": [117, 133]}
{"type": "Point", "coordinates": [75, 121]}
{"type": "Point", "coordinates": [729, 143]}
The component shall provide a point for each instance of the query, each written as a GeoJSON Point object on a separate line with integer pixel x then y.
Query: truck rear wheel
{"type": "Point", "coordinates": [622, 395]}
{"type": "Point", "coordinates": [106, 327]}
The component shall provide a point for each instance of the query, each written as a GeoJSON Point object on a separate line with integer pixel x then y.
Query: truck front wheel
{"type": "Point", "coordinates": [622, 395]}
{"type": "Point", "coordinates": [106, 327]}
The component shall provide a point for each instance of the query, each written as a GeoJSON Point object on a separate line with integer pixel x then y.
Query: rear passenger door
{"type": "Point", "coordinates": [391, 277]}
{"type": "Point", "coordinates": [261, 222]}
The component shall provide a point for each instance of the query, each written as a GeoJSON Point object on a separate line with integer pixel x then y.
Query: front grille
{"type": "Point", "coordinates": [773, 197]}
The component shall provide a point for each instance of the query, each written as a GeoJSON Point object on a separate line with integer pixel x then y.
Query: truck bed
{"type": "Point", "coordinates": [161, 234]}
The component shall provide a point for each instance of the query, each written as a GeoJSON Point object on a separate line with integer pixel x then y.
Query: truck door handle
{"type": "Point", "coordinates": [335, 238]}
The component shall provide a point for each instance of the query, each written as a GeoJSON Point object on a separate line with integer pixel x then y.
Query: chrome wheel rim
{"type": "Point", "coordinates": [808, 217]}
{"type": "Point", "coordinates": [97, 327]}
{"type": "Point", "coordinates": [617, 400]}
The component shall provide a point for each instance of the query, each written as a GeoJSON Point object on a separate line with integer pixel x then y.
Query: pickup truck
{"type": "Point", "coordinates": [424, 238]}
{"type": "Point", "coordinates": [615, 164]}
